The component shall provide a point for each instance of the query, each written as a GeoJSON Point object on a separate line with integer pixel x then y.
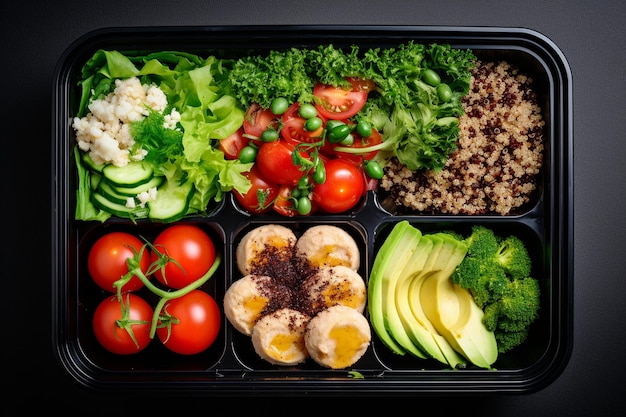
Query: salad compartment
{"type": "Point", "coordinates": [230, 366]}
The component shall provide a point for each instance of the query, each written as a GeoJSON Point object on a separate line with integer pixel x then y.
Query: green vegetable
{"type": "Point", "coordinates": [279, 105]}
{"type": "Point", "coordinates": [270, 135]}
{"type": "Point", "coordinates": [364, 128]}
{"type": "Point", "coordinates": [248, 154]}
{"type": "Point", "coordinates": [430, 77]}
{"type": "Point", "coordinates": [497, 271]}
{"type": "Point", "coordinates": [373, 169]}
{"type": "Point", "coordinates": [307, 111]}
{"type": "Point", "coordinates": [418, 124]}
{"type": "Point", "coordinates": [198, 89]}
{"type": "Point", "coordinates": [313, 124]}
{"type": "Point", "coordinates": [338, 133]}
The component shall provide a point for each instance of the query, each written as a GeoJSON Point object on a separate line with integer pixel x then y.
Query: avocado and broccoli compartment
{"type": "Point", "coordinates": [459, 296]}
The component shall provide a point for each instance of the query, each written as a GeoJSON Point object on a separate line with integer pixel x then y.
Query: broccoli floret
{"type": "Point", "coordinates": [482, 242]}
{"type": "Point", "coordinates": [519, 305]}
{"type": "Point", "coordinates": [491, 316]}
{"type": "Point", "coordinates": [508, 340]}
{"type": "Point", "coordinates": [496, 271]}
{"type": "Point", "coordinates": [513, 257]}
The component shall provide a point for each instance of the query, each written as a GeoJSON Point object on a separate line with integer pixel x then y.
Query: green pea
{"type": "Point", "coordinates": [430, 77]}
{"type": "Point", "coordinates": [444, 92]}
{"type": "Point", "coordinates": [313, 124]}
{"type": "Point", "coordinates": [304, 206]}
{"type": "Point", "coordinates": [303, 182]}
{"type": "Point", "coordinates": [279, 105]}
{"type": "Point", "coordinates": [307, 110]}
{"type": "Point", "coordinates": [269, 135]}
{"type": "Point", "coordinates": [373, 169]}
{"type": "Point", "coordinates": [248, 154]}
{"type": "Point", "coordinates": [364, 128]}
{"type": "Point", "coordinates": [319, 174]}
{"type": "Point", "coordinates": [338, 133]}
{"type": "Point", "coordinates": [332, 123]}
{"type": "Point", "coordinates": [348, 140]}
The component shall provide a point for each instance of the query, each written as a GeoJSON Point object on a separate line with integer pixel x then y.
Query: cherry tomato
{"type": "Point", "coordinates": [360, 142]}
{"type": "Point", "coordinates": [338, 103]}
{"type": "Point", "coordinates": [106, 261]}
{"type": "Point", "coordinates": [189, 324]}
{"type": "Point", "coordinates": [257, 120]}
{"type": "Point", "coordinates": [123, 327]}
{"type": "Point", "coordinates": [190, 247]}
{"type": "Point", "coordinates": [285, 206]}
{"type": "Point", "coordinates": [233, 144]}
{"type": "Point", "coordinates": [343, 187]}
{"type": "Point", "coordinates": [294, 127]}
{"type": "Point", "coordinates": [261, 195]}
{"type": "Point", "coordinates": [276, 164]}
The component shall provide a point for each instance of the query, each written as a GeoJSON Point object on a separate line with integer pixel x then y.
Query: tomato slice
{"type": "Point", "coordinates": [293, 130]}
{"type": "Point", "coordinates": [338, 103]}
{"type": "Point", "coordinates": [233, 144]}
{"type": "Point", "coordinates": [360, 142]}
{"type": "Point", "coordinates": [261, 195]}
{"type": "Point", "coordinates": [275, 162]}
{"type": "Point", "coordinates": [284, 206]}
{"type": "Point", "coordinates": [257, 120]}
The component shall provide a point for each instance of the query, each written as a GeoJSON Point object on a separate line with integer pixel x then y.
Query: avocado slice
{"type": "Point", "coordinates": [391, 259]}
{"type": "Point", "coordinates": [420, 329]}
{"type": "Point", "coordinates": [453, 312]}
{"type": "Point", "coordinates": [391, 315]}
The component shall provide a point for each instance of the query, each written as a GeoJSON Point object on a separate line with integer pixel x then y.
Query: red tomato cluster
{"type": "Point", "coordinates": [189, 319]}
{"type": "Point", "coordinates": [277, 180]}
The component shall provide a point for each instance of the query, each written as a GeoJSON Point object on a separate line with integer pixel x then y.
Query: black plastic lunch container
{"type": "Point", "coordinates": [230, 366]}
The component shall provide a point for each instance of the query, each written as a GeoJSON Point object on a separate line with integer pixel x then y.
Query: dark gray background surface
{"type": "Point", "coordinates": [590, 34]}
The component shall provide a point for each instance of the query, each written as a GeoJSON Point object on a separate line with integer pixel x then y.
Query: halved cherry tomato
{"type": "Point", "coordinates": [338, 103]}
{"type": "Point", "coordinates": [107, 257]}
{"type": "Point", "coordinates": [123, 327]}
{"type": "Point", "coordinates": [233, 144]}
{"type": "Point", "coordinates": [192, 250]}
{"type": "Point", "coordinates": [293, 130]}
{"type": "Point", "coordinates": [275, 162]}
{"type": "Point", "coordinates": [360, 142]}
{"type": "Point", "coordinates": [285, 206]}
{"type": "Point", "coordinates": [343, 187]}
{"type": "Point", "coordinates": [261, 195]}
{"type": "Point", "coordinates": [257, 120]}
{"type": "Point", "coordinates": [189, 324]}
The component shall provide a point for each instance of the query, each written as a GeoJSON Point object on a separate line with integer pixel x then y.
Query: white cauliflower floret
{"type": "Point", "coordinates": [105, 131]}
{"type": "Point", "coordinates": [171, 119]}
{"type": "Point", "coordinates": [143, 198]}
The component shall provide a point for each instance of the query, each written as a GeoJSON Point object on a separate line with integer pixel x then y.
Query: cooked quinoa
{"type": "Point", "coordinates": [499, 155]}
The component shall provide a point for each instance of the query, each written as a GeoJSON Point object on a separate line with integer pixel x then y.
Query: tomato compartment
{"type": "Point", "coordinates": [231, 364]}
{"type": "Point", "coordinates": [85, 297]}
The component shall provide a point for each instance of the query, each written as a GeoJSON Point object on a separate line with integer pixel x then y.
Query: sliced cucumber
{"type": "Point", "coordinates": [90, 164]}
{"type": "Point", "coordinates": [133, 174]}
{"type": "Point", "coordinates": [111, 194]}
{"type": "Point", "coordinates": [116, 209]}
{"type": "Point", "coordinates": [94, 180]}
{"type": "Point", "coordinates": [172, 202]}
{"type": "Point", "coordinates": [132, 191]}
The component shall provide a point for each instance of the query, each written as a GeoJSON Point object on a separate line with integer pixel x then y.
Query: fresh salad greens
{"type": "Point", "coordinates": [197, 88]}
{"type": "Point", "coordinates": [417, 115]}
{"type": "Point", "coordinates": [414, 102]}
